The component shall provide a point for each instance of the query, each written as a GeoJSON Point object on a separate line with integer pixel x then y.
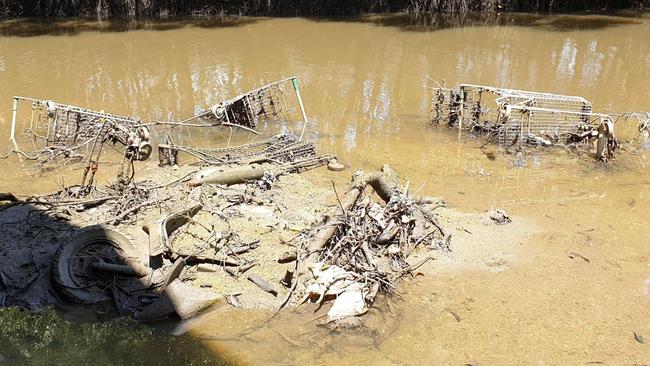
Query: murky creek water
{"type": "Point", "coordinates": [366, 89]}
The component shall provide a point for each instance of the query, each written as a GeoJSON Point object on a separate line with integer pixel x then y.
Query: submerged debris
{"type": "Point", "coordinates": [515, 118]}
{"type": "Point", "coordinates": [62, 133]}
{"type": "Point", "coordinates": [496, 216]}
{"type": "Point", "coordinates": [268, 102]}
{"type": "Point", "coordinates": [277, 149]}
{"type": "Point", "coordinates": [363, 247]}
{"type": "Point", "coordinates": [151, 249]}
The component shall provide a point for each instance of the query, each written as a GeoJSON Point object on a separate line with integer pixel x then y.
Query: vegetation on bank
{"type": "Point", "coordinates": [175, 8]}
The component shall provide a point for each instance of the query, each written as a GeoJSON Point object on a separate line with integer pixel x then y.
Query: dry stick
{"type": "Point", "coordinates": [262, 284]}
{"type": "Point", "coordinates": [122, 215]}
{"type": "Point", "coordinates": [20, 152]}
{"type": "Point", "coordinates": [287, 297]}
{"type": "Point", "coordinates": [73, 202]}
{"type": "Point", "coordinates": [323, 236]}
{"type": "Point", "coordinates": [382, 182]}
{"type": "Point", "coordinates": [175, 180]}
{"type": "Point", "coordinates": [432, 220]}
{"type": "Point", "coordinates": [337, 197]}
{"type": "Point", "coordinates": [412, 268]}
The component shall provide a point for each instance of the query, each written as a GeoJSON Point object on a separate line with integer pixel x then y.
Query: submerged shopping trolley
{"type": "Point", "coordinates": [62, 133]}
{"type": "Point", "coordinates": [514, 118]}
{"type": "Point", "coordinates": [266, 103]}
{"type": "Point", "coordinates": [248, 111]}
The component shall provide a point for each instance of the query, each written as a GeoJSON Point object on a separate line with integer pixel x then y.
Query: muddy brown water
{"type": "Point", "coordinates": [366, 89]}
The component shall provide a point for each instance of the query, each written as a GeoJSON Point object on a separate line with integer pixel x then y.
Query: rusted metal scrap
{"type": "Point", "coordinates": [61, 133]}
{"type": "Point", "coordinates": [280, 148]}
{"type": "Point", "coordinates": [277, 155]}
{"type": "Point", "coordinates": [515, 118]}
{"type": "Point", "coordinates": [65, 129]}
{"type": "Point", "coordinates": [247, 110]}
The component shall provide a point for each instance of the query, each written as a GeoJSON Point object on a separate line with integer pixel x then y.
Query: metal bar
{"type": "Point", "coordinates": [76, 109]}
{"type": "Point", "coordinates": [121, 269]}
{"type": "Point", "coordinates": [294, 82]}
{"type": "Point", "coordinates": [558, 111]}
{"type": "Point", "coordinates": [13, 123]}
{"type": "Point", "coordinates": [31, 119]}
{"type": "Point", "coordinates": [284, 104]}
{"type": "Point", "coordinates": [522, 93]}
{"type": "Point", "coordinates": [462, 112]}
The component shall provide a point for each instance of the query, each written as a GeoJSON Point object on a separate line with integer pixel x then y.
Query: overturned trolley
{"type": "Point", "coordinates": [247, 110]}
{"type": "Point", "coordinates": [286, 152]}
{"type": "Point", "coordinates": [514, 118]}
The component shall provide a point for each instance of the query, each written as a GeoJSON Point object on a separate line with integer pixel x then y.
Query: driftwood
{"type": "Point", "coordinates": [242, 248]}
{"type": "Point", "coordinates": [208, 267]}
{"type": "Point", "coordinates": [287, 257]}
{"type": "Point", "coordinates": [261, 283]}
{"type": "Point", "coordinates": [8, 197]}
{"type": "Point", "coordinates": [245, 267]}
{"type": "Point", "coordinates": [383, 182]}
{"type": "Point", "coordinates": [193, 257]}
{"type": "Point", "coordinates": [287, 280]}
{"type": "Point", "coordinates": [229, 176]}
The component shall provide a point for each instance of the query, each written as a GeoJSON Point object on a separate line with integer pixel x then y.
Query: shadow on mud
{"type": "Point", "coordinates": [93, 280]}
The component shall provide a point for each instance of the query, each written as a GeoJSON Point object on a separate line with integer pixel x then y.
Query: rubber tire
{"type": "Point", "coordinates": [62, 279]}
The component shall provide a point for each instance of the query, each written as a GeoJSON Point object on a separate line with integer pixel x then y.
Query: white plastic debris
{"type": "Point", "coordinates": [332, 280]}
{"type": "Point", "coordinates": [349, 303]}
{"type": "Point", "coordinates": [264, 212]}
{"type": "Point", "coordinates": [496, 216]}
{"type": "Point", "coordinates": [376, 212]}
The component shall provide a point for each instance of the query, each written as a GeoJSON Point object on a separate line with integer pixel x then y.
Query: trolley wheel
{"type": "Point", "coordinates": [144, 151]}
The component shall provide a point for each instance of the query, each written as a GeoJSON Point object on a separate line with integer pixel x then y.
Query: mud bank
{"type": "Point", "coordinates": [265, 224]}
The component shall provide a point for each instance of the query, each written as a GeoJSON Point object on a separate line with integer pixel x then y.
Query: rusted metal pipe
{"type": "Point", "coordinates": [121, 269]}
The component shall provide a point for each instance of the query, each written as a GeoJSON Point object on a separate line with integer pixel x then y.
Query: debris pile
{"type": "Point", "coordinates": [180, 246]}
{"type": "Point", "coordinates": [184, 238]}
{"type": "Point", "coordinates": [363, 246]}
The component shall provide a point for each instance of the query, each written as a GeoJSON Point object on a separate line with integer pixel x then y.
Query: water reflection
{"type": "Point", "coordinates": [567, 60]}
